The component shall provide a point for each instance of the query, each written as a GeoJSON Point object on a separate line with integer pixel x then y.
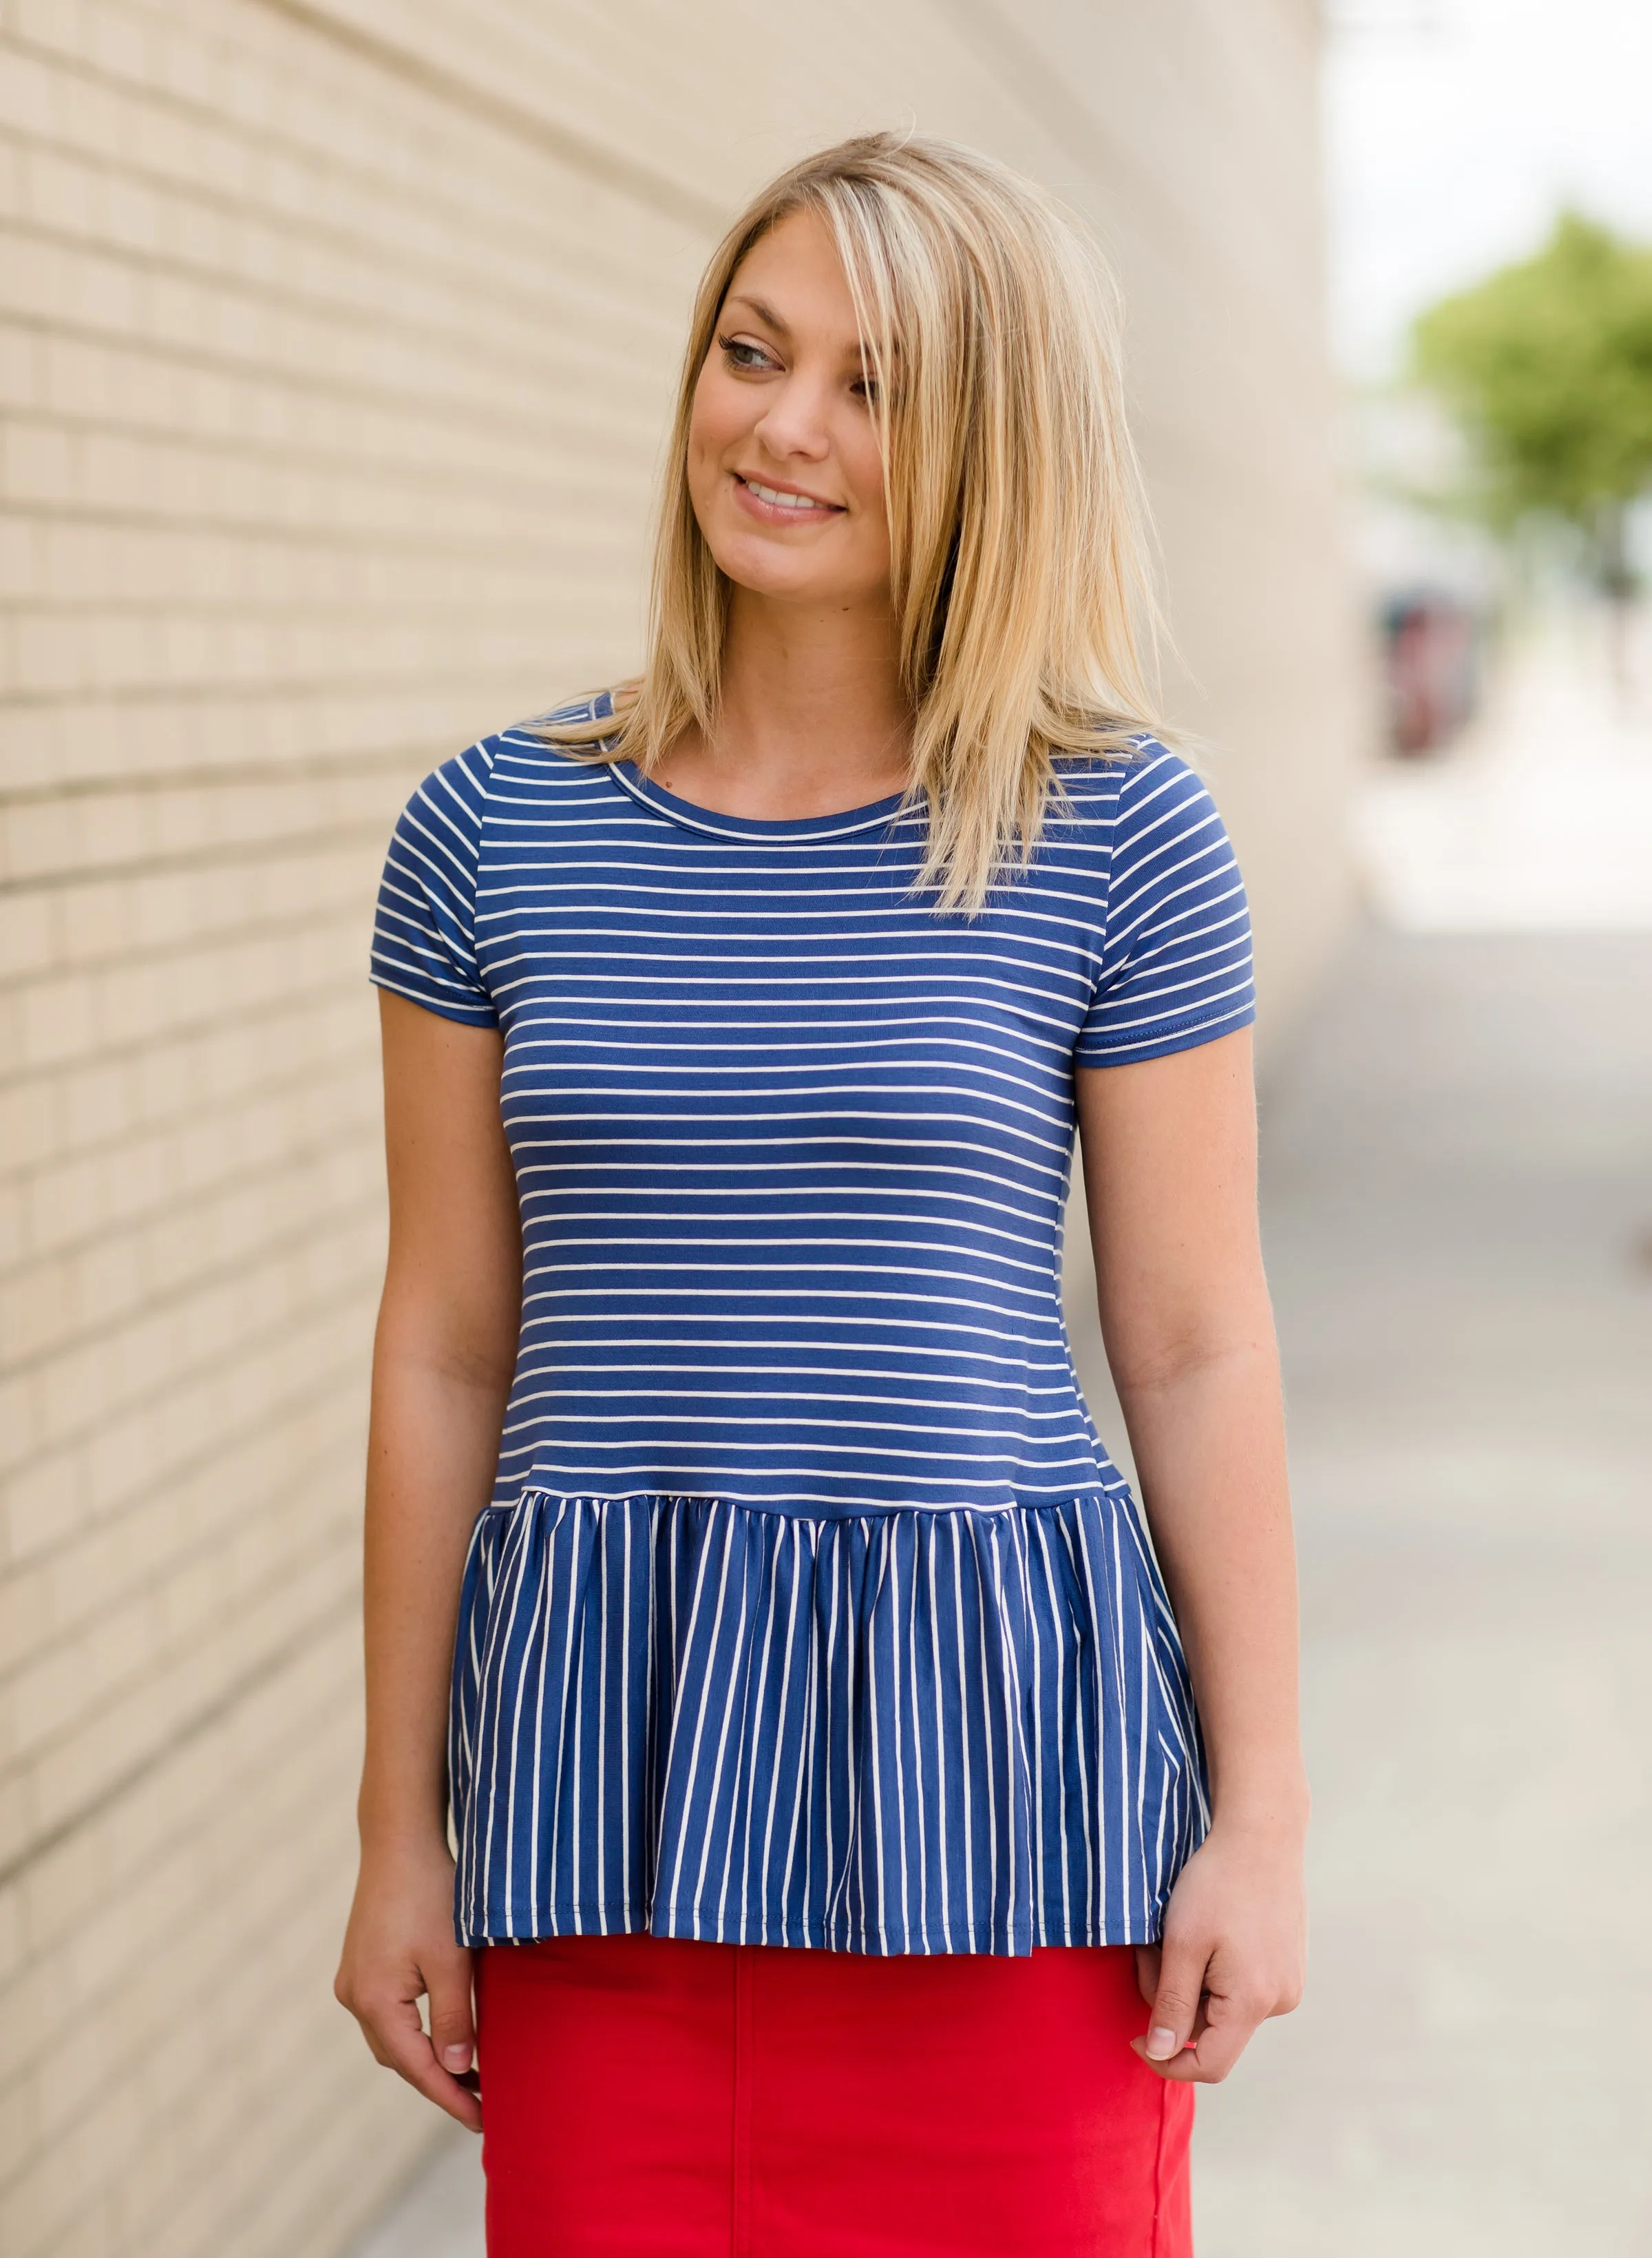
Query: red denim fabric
{"type": "Point", "coordinates": [653, 2097]}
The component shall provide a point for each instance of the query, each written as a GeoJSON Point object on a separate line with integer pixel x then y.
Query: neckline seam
{"type": "Point", "coordinates": [752, 829]}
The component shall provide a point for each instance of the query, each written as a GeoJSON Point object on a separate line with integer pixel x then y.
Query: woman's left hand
{"type": "Point", "coordinates": [1234, 1952]}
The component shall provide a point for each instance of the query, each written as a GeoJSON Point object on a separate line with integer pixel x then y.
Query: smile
{"type": "Point", "coordinates": [779, 497]}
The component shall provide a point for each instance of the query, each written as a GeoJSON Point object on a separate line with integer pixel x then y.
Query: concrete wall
{"type": "Point", "coordinates": [334, 341]}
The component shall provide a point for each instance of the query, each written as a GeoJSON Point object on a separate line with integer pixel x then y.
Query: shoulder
{"type": "Point", "coordinates": [1174, 968]}
{"type": "Point", "coordinates": [1145, 782]}
{"type": "Point", "coordinates": [1148, 827]}
{"type": "Point", "coordinates": [438, 831]}
{"type": "Point", "coordinates": [562, 746]}
{"type": "Point", "coordinates": [1141, 799]}
{"type": "Point", "coordinates": [464, 794]}
{"type": "Point", "coordinates": [1150, 801]}
{"type": "Point", "coordinates": [1165, 810]}
{"type": "Point", "coordinates": [573, 719]}
{"type": "Point", "coordinates": [576, 733]}
{"type": "Point", "coordinates": [451, 799]}
{"type": "Point", "coordinates": [1172, 862]}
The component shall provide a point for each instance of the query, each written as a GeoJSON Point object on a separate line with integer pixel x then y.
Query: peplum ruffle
{"type": "Point", "coordinates": [912, 1731]}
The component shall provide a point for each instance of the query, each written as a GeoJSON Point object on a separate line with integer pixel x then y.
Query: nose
{"type": "Point", "coordinates": [794, 420]}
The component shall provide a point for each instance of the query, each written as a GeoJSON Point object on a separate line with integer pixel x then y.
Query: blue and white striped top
{"type": "Point", "coordinates": [809, 1609]}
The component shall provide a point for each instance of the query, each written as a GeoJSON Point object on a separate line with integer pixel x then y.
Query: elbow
{"type": "Point", "coordinates": [439, 1348]}
{"type": "Point", "coordinates": [1165, 1367]}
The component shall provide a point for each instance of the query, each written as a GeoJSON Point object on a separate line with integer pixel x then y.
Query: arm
{"type": "Point", "coordinates": [442, 1360]}
{"type": "Point", "coordinates": [1169, 1148]}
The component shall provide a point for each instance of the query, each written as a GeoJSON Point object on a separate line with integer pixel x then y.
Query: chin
{"type": "Point", "coordinates": [756, 567]}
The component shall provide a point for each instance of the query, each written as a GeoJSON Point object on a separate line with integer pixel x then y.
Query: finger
{"type": "Point", "coordinates": [1208, 2061]}
{"type": "Point", "coordinates": [397, 2038]}
{"type": "Point", "coordinates": [1175, 2003]}
{"type": "Point", "coordinates": [1222, 2029]}
{"type": "Point", "coordinates": [1200, 2022]}
{"type": "Point", "coordinates": [1147, 1959]}
{"type": "Point", "coordinates": [452, 2018]}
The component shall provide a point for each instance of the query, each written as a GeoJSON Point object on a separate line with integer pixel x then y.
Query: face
{"type": "Point", "coordinates": [783, 468]}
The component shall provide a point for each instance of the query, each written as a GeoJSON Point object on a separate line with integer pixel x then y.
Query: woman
{"type": "Point", "coordinates": [840, 1863]}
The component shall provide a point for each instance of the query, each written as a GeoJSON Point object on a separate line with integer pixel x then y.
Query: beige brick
{"type": "Point", "coordinates": [29, 943]}
{"type": "Point", "coordinates": [21, 547]}
{"type": "Point", "coordinates": [22, 1423]}
{"type": "Point", "coordinates": [19, 2132]}
{"type": "Point", "coordinates": [26, 88]}
{"type": "Point", "coordinates": [14, 1245]}
{"type": "Point", "coordinates": [38, 463]}
{"type": "Point", "coordinates": [10, 1933]}
{"type": "Point", "coordinates": [42, 1309]}
{"type": "Point", "coordinates": [13, 163]}
{"type": "Point", "coordinates": [20, 1822]}
{"type": "Point", "coordinates": [64, 194]}
{"type": "Point", "coordinates": [52, 2199]}
{"type": "Point", "coordinates": [35, 836]}
{"type": "Point", "coordinates": [98, 1104]}
{"type": "Point", "coordinates": [93, 2234]}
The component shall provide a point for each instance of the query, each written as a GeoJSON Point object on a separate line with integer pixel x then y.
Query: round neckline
{"type": "Point", "coordinates": [797, 830]}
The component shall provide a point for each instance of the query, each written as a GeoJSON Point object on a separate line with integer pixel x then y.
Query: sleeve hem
{"type": "Point", "coordinates": [1160, 1042]}
{"type": "Point", "coordinates": [469, 1015]}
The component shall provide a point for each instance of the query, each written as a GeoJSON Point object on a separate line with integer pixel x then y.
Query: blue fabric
{"type": "Point", "coordinates": [809, 1609]}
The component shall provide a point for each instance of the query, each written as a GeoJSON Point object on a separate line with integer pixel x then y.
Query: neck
{"type": "Point", "coordinates": [811, 721]}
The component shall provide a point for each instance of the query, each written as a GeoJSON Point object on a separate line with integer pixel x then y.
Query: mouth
{"type": "Point", "coordinates": [781, 504]}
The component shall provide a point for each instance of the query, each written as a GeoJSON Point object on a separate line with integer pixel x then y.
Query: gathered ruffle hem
{"type": "Point", "coordinates": [912, 1731]}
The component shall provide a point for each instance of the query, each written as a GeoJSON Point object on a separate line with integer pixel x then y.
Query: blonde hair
{"type": "Point", "coordinates": [1022, 596]}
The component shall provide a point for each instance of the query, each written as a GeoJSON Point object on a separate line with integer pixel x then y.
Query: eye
{"type": "Point", "coordinates": [866, 386]}
{"type": "Point", "coordinates": [741, 353]}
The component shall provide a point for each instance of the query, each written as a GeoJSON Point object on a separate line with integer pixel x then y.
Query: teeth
{"type": "Point", "coordinates": [784, 500]}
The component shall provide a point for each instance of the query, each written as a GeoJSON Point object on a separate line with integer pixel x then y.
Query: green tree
{"type": "Point", "coordinates": [1548, 366]}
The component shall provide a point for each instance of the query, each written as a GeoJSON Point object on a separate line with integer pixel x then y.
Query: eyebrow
{"type": "Point", "coordinates": [764, 312]}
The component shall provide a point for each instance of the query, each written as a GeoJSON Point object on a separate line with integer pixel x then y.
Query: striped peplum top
{"type": "Point", "coordinates": [809, 1609]}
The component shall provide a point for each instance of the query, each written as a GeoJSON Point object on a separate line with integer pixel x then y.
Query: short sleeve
{"type": "Point", "coordinates": [424, 934]}
{"type": "Point", "coordinates": [1175, 969]}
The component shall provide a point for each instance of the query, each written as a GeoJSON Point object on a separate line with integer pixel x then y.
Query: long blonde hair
{"type": "Point", "coordinates": [1020, 584]}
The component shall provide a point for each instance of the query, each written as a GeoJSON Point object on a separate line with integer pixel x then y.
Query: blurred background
{"type": "Point", "coordinates": [334, 339]}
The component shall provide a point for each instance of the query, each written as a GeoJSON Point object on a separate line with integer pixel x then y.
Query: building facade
{"type": "Point", "coordinates": [334, 339]}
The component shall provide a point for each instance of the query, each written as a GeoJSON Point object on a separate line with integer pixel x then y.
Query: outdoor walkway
{"type": "Point", "coordinates": [1458, 1208]}
{"type": "Point", "coordinates": [1457, 1198]}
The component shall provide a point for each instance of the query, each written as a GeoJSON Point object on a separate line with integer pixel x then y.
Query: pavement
{"type": "Point", "coordinates": [1457, 1204]}
{"type": "Point", "coordinates": [440, 2215]}
{"type": "Point", "coordinates": [1457, 1209]}
{"type": "Point", "coordinates": [1458, 1219]}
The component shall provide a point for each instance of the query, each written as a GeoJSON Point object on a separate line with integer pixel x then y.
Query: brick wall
{"type": "Point", "coordinates": [334, 340]}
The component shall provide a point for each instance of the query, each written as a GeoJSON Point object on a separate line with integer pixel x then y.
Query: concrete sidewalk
{"type": "Point", "coordinates": [1458, 1206]}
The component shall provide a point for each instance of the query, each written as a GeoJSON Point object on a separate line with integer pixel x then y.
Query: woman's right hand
{"type": "Point", "coordinates": [443, 1360]}
{"type": "Point", "coordinates": [398, 1948]}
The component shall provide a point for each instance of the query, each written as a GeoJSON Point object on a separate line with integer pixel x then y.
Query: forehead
{"type": "Point", "coordinates": [795, 274]}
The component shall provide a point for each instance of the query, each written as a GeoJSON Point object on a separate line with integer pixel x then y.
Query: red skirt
{"type": "Point", "coordinates": [648, 2097]}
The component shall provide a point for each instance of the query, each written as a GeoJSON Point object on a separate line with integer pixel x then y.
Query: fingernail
{"type": "Point", "coordinates": [456, 2058]}
{"type": "Point", "coordinates": [1161, 2044]}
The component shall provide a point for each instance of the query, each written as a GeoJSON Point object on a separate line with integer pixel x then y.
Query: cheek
{"type": "Point", "coordinates": [864, 467]}
{"type": "Point", "coordinates": [720, 416]}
